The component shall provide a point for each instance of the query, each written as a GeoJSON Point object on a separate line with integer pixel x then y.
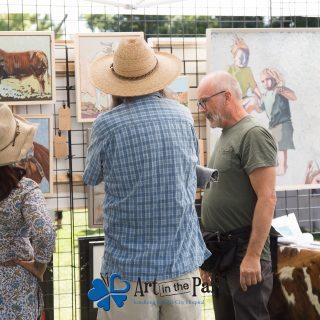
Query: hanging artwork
{"type": "Point", "coordinates": [178, 90]}
{"type": "Point", "coordinates": [95, 199]}
{"type": "Point", "coordinates": [95, 205]}
{"type": "Point", "coordinates": [278, 74]}
{"type": "Point", "coordinates": [27, 73]}
{"type": "Point", "coordinates": [39, 163]}
{"type": "Point", "coordinates": [91, 101]}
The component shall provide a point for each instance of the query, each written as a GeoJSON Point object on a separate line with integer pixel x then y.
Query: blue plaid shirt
{"type": "Point", "coordinates": [146, 152]}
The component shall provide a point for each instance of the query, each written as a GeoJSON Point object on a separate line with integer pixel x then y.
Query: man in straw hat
{"type": "Point", "coordinates": [146, 152]}
{"type": "Point", "coordinates": [26, 229]}
{"type": "Point", "coordinates": [242, 204]}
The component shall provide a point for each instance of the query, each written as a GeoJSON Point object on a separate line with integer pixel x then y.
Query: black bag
{"type": "Point", "coordinates": [224, 247]}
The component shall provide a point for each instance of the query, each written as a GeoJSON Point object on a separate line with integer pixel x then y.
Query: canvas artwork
{"type": "Point", "coordinates": [39, 163]}
{"type": "Point", "coordinates": [278, 74]}
{"type": "Point", "coordinates": [178, 90]}
{"type": "Point", "coordinates": [90, 101]}
{"type": "Point", "coordinates": [27, 74]}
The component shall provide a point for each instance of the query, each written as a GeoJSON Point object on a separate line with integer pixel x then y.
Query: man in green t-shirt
{"type": "Point", "coordinates": [245, 156]}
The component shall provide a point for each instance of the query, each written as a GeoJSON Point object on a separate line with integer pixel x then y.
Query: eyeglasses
{"type": "Point", "coordinates": [201, 103]}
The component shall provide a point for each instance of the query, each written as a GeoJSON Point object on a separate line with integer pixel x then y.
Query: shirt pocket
{"type": "Point", "coordinates": [224, 159]}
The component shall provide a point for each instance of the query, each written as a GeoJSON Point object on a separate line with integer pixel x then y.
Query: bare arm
{"type": "Point", "coordinates": [257, 92]}
{"type": "Point", "coordinates": [258, 109]}
{"type": "Point", "coordinates": [287, 93]}
{"type": "Point", "coordinates": [263, 183]}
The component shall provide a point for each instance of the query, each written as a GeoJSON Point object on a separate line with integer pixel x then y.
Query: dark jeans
{"type": "Point", "coordinates": [232, 303]}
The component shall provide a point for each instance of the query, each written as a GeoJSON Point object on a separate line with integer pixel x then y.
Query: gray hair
{"type": "Point", "coordinates": [117, 100]}
{"type": "Point", "coordinates": [222, 80]}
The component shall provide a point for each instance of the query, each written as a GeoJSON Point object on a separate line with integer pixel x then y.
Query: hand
{"type": "Point", "coordinates": [205, 277]}
{"type": "Point", "coordinates": [280, 89]}
{"type": "Point", "coordinates": [36, 268]}
{"type": "Point", "coordinates": [250, 272]}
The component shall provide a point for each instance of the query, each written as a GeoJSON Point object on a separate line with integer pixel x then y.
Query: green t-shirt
{"type": "Point", "coordinates": [229, 204]}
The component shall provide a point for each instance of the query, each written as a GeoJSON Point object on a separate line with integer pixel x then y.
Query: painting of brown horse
{"type": "Point", "coordinates": [38, 163]}
{"type": "Point", "coordinates": [37, 166]}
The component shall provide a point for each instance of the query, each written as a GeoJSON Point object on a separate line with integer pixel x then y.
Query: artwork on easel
{"type": "Point", "coordinates": [269, 65]}
{"type": "Point", "coordinates": [91, 101]}
{"type": "Point", "coordinates": [27, 72]}
{"type": "Point", "coordinates": [39, 164]}
{"type": "Point", "coordinates": [178, 90]}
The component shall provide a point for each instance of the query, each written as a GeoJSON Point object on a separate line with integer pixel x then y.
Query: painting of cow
{"type": "Point", "coordinates": [19, 65]}
{"type": "Point", "coordinates": [26, 67]}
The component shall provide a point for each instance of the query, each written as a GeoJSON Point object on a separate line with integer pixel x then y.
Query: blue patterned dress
{"type": "Point", "coordinates": [26, 232]}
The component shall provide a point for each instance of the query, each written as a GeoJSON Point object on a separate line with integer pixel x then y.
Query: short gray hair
{"type": "Point", "coordinates": [222, 80]}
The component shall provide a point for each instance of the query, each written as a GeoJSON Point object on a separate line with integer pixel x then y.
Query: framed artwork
{"type": "Point", "coordinates": [27, 68]}
{"type": "Point", "coordinates": [278, 76]}
{"type": "Point", "coordinates": [39, 165]}
{"type": "Point", "coordinates": [91, 101]}
{"type": "Point", "coordinates": [95, 199]}
{"type": "Point", "coordinates": [91, 249]}
{"type": "Point", "coordinates": [96, 250]}
{"type": "Point", "coordinates": [178, 90]}
{"type": "Point", "coordinates": [95, 203]}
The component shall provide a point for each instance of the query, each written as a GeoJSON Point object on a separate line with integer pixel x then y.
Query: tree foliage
{"type": "Point", "coordinates": [29, 22]}
{"type": "Point", "coordinates": [169, 25]}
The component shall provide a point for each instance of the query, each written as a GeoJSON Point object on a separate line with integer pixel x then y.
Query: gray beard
{"type": "Point", "coordinates": [215, 120]}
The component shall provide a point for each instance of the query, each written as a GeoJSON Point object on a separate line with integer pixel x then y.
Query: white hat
{"type": "Point", "coordinates": [134, 69]}
{"type": "Point", "coordinates": [16, 136]}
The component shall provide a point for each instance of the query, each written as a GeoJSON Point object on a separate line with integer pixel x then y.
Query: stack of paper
{"type": "Point", "coordinates": [290, 231]}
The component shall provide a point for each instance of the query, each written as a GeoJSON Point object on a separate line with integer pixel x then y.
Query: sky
{"type": "Point", "coordinates": [204, 7]}
{"type": "Point", "coordinates": [77, 8]}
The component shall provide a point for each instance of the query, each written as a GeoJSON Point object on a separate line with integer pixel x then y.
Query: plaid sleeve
{"type": "Point", "coordinates": [196, 145]}
{"type": "Point", "coordinates": [93, 172]}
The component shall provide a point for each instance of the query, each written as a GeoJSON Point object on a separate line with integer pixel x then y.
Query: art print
{"type": "Point", "coordinates": [278, 74]}
{"type": "Point", "coordinates": [178, 90]}
{"type": "Point", "coordinates": [91, 101]}
{"type": "Point", "coordinates": [27, 73]}
{"type": "Point", "coordinates": [39, 162]}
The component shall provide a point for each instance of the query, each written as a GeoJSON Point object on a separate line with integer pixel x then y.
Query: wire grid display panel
{"type": "Point", "coordinates": [305, 204]}
{"type": "Point", "coordinates": [192, 52]}
{"type": "Point", "coordinates": [69, 194]}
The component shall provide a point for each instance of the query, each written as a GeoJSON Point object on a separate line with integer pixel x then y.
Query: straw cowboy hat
{"type": "Point", "coordinates": [134, 69]}
{"type": "Point", "coordinates": [16, 136]}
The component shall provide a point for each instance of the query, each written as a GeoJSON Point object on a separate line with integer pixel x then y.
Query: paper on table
{"type": "Point", "coordinates": [289, 228]}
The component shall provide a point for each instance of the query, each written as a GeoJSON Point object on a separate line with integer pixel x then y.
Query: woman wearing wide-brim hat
{"type": "Point", "coordinates": [146, 151]}
{"type": "Point", "coordinates": [27, 233]}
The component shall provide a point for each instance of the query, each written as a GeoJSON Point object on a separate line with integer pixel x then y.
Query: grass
{"type": "Point", "coordinates": [67, 272]}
